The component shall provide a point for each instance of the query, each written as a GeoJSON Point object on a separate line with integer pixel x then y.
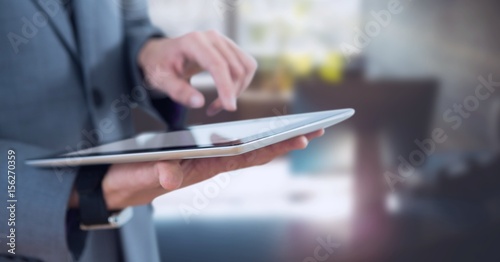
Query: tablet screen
{"type": "Point", "coordinates": [204, 136]}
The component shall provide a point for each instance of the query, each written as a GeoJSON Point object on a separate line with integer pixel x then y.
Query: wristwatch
{"type": "Point", "coordinates": [94, 213]}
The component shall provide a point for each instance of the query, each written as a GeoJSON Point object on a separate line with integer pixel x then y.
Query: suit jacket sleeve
{"type": "Point", "coordinates": [39, 214]}
{"type": "Point", "coordinates": [139, 29]}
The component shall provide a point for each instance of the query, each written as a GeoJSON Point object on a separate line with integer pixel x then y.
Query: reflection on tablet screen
{"type": "Point", "coordinates": [222, 134]}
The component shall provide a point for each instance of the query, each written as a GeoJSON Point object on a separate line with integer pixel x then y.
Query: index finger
{"type": "Point", "coordinates": [209, 58]}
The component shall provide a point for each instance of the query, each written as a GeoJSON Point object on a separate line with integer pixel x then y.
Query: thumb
{"type": "Point", "coordinates": [179, 89]}
{"type": "Point", "coordinates": [170, 174]}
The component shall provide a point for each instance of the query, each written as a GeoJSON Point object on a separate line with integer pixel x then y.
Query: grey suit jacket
{"type": "Point", "coordinates": [61, 91]}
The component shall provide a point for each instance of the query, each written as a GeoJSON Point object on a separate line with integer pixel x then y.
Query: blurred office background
{"type": "Point", "coordinates": [367, 191]}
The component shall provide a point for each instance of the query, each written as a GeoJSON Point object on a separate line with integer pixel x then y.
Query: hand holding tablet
{"type": "Point", "coordinates": [138, 183]}
{"type": "Point", "coordinates": [149, 166]}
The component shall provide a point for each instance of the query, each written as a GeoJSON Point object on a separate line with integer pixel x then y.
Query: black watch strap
{"type": "Point", "coordinates": [93, 209]}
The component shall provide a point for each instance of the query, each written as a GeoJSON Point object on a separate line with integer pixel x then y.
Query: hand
{"type": "Point", "coordinates": [169, 64]}
{"type": "Point", "coordinates": [139, 183]}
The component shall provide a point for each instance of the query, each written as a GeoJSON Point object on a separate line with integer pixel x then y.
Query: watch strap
{"type": "Point", "coordinates": [93, 209]}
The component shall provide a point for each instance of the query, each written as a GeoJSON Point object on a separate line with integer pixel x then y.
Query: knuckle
{"type": "Point", "coordinates": [252, 64]}
{"type": "Point", "coordinates": [195, 35]}
{"type": "Point", "coordinates": [213, 33]}
{"type": "Point", "coordinates": [239, 71]}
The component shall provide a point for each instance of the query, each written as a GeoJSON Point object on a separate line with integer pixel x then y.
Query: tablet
{"type": "Point", "coordinates": [213, 140]}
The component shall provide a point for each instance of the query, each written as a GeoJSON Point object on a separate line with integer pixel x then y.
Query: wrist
{"type": "Point", "coordinates": [113, 197]}
{"type": "Point", "coordinates": [119, 192]}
